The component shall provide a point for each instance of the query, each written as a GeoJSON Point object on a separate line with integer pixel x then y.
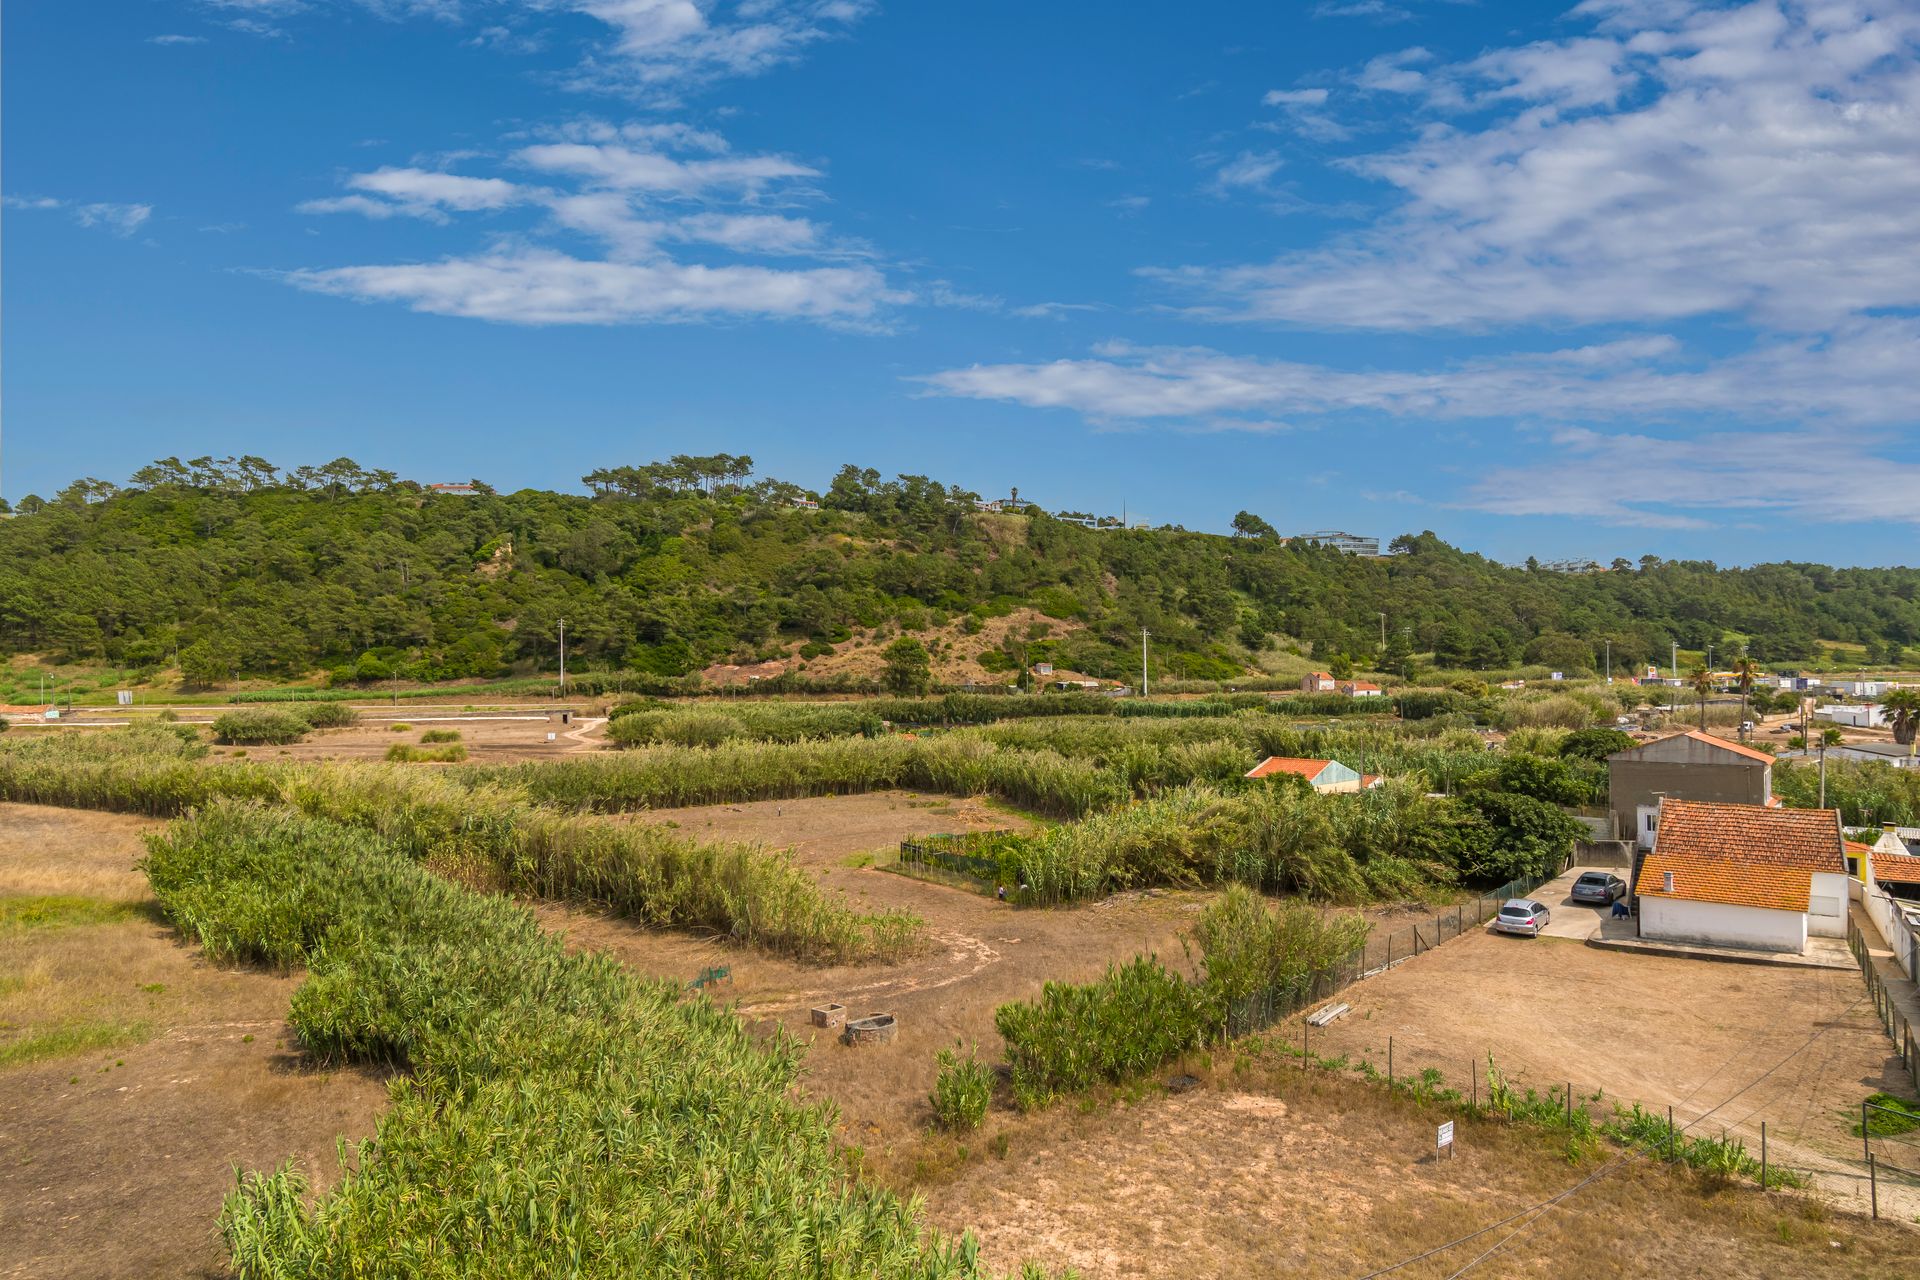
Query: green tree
{"type": "Point", "coordinates": [1902, 708]}
{"type": "Point", "coordinates": [205, 664]}
{"type": "Point", "coordinates": [1248, 525]}
{"type": "Point", "coordinates": [1701, 681]}
{"type": "Point", "coordinates": [909, 670]}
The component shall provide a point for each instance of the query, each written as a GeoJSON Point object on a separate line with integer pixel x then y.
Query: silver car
{"type": "Point", "coordinates": [1522, 916]}
{"type": "Point", "coordinates": [1598, 887]}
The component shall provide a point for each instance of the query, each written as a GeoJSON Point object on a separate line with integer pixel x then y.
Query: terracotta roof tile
{"type": "Point", "coordinates": [1741, 855]}
{"type": "Point", "coordinates": [1896, 868]}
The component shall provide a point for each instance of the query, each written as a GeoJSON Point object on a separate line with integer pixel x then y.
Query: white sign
{"type": "Point", "coordinates": [1446, 1136]}
{"type": "Point", "coordinates": [1559, 675]}
{"type": "Point", "coordinates": [126, 697]}
{"type": "Point", "coordinates": [51, 713]}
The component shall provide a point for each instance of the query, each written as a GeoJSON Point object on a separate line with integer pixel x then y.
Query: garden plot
{"type": "Point", "coordinates": [984, 952]}
{"type": "Point", "coordinates": [138, 1076]}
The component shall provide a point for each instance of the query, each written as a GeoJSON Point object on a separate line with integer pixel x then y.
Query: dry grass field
{"type": "Point", "coordinates": [134, 1077]}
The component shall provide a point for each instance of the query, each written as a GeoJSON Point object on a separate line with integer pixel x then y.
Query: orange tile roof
{"type": "Point", "coordinates": [1308, 769]}
{"type": "Point", "coordinates": [1741, 855]}
{"type": "Point", "coordinates": [1896, 868]}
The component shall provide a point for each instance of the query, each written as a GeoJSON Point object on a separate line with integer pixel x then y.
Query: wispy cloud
{"type": "Point", "coordinates": [1867, 374]}
{"type": "Point", "coordinates": [1805, 477]}
{"type": "Point", "coordinates": [119, 219]}
{"type": "Point", "coordinates": [543, 287]}
{"type": "Point", "coordinates": [1678, 160]}
{"type": "Point", "coordinates": [176, 40]}
{"type": "Point", "coordinates": [636, 193]}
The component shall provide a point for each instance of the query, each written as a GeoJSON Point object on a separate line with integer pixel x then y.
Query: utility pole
{"type": "Point", "coordinates": [1823, 770]}
{"type": "Point", "coordinates": [1144, 633]}
{"type": "Point", "coordinates": [1609, 661]}
{"type": "Point", "coordinates": [563, 657]}
{"type": "Point", "coordinates": [1383, 633]}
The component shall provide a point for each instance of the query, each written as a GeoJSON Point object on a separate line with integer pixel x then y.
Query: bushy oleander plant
{"type": "Point", "coordinates": [558, 1115]}
{"type": "Point", "coordinates": [250, 727]}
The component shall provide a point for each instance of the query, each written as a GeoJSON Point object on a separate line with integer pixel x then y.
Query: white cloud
{"type": "Point", "coordinates": [1683, 159]}
{"type": "Point", "coordinates": [539, 287]}
{"type": "Point", "coordinates": [1373, 10]}
{"type": "Point", "coordinates": [1248, 171]}
{"type": "Point", "coordinates": [1866, 374]}
{"type": "Point", "coordinates": [1295, 98]}
{"type": "Point", "coordinates": [638, 203]}
{"type": "Point", "coordinates": [120, 219]}
{"type": "Point", "coordinates": [661, 44]}
{"type": "Point", "coordinates": [176, 40]}
{"type": "Point", "coordinates": [631, 169]}
{"type": "Point", "coordinates": [1664, 482]}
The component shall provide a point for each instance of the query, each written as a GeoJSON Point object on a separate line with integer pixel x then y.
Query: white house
{"type": "Point", "coordinates": [1863, 688]}
{"type": "Point", "coordinates": [1747, 876]}
{"type": "Point", "coordinates": [1859, 715]}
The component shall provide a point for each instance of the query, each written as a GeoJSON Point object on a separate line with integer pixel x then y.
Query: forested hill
{"type": "Point", "coordinates": [241, 569]}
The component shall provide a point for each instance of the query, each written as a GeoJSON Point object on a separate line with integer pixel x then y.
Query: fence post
{"type": "Point", "coordinates": [1389, 951]}
{"type": "Point", "coordinates": [1569, 1104]}
{"type": "Point", "coordinates": [1473, 1081]}
{"type": "Point", "coordinates": [1873, 1186]}
{"type": "Point", "coordinates": [1389, 1062]}
{"type": "Point", "coordinates": [1669, 1135]}
{"type": "Point", "coordinates": [1304, 1024]}
{"type": "Point", "coordinates": [1866, 1142]}
{"type": "Point", "coordinates": [1763, 1155]}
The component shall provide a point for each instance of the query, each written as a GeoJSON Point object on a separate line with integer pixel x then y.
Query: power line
{"type": "Point", "coordinates": [1535, 1210]}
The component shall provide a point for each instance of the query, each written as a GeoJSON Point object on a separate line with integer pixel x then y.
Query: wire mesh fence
{"type": "Point", "coordinates": [1893, 1020]}
{"type": "Point", "coordinates": [1380, 951]}
{"type": "Point", "coordinates": [964, 854]}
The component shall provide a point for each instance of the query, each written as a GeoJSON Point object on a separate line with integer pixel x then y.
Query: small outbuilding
{"type": "Point", "coordinates": [1325, 776]}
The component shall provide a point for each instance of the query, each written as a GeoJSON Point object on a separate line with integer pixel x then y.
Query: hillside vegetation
{"type": "Point", "coordinates": [227, 569]}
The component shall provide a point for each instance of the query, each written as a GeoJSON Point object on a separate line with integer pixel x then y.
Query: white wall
{"type": "Point", "coordinates": [1757, 928]}
{"type": "Point", "coordinates": [1827, 912]}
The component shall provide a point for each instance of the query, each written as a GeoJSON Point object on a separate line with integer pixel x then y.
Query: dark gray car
{"type": "Point", "coordinates": [1601, 888]}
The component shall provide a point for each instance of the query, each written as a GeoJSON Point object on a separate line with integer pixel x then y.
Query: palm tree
{"type": "Point", "coordinates": [1702, 681]}
{"type": "Point", "coordinates": [1745, 669]}
{"type": "Point", "coordinates": [1902, 708]}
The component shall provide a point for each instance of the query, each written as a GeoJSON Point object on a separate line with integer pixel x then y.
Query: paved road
{"type": "Point", "coordinates": [1570, 919]}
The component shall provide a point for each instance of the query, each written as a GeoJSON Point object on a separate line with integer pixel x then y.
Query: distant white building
{"type": "Point", "coordinates": [1863, 688]}
{"type": "Point", "coordinates": [1857, 715]}
{"type": "Point", "coordinates": [1354, 544]}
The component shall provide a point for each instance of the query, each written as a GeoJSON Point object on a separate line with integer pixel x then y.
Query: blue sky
{"type": "Point", "coordinates": [1636, 276]}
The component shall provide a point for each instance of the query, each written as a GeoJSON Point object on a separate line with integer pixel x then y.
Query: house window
{"type": "Point", "coordinates": [1653, 820]}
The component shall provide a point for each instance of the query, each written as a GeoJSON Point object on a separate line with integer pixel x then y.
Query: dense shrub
{"type": "Point", "coordinates": [1596, 743]}
{"type": "Point", "coordinates": [432, 736]}
{"type": "Point", "coordinates": [326, 715]}
{"type": "Point", "coordinates": [1248, 950]}
{"type": "Point", "coordinates": [962, 1090]}
{"type": "Point", "coordinates": [403, 753]}
{"type": "Point", "coordinates": [270, 728]}
{"type": "Point", "coordinates": [1073, 1037]}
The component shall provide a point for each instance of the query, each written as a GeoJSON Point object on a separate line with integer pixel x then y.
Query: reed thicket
{"type": "Point", "coordinates": [558, 1115]}
{"type": "Point", "coordinates": [755, 895]}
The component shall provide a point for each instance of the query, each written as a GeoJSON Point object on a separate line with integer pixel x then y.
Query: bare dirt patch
{"type": "Point", "coordinates": [1272, 1171]}
{"type": "Point", "coordinates": [1797, 1048]}
{"type": "Point", "coordinates": [114, 1160]}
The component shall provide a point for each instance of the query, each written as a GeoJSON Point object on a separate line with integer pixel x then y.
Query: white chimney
{"type": "Point", "coordinates": [1666, 881]}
